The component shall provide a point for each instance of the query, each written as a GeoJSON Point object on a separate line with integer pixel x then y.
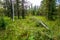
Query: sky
{"type": "Point", "coordinates": [58, 1]}
{"type": "Point", "coordinates": [35, 2]}
{"type": "Point", "coordinates": [38, 2]}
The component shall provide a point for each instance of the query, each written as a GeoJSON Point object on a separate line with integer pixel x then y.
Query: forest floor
{"type": "Point", "coordinates": [30, 29]}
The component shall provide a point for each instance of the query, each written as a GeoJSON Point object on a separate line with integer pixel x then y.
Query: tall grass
{"type": "Point", "coordinates": [26, 29]}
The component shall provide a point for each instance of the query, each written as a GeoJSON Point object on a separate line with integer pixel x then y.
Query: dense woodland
{"type": "Point", "coordinates": [20, 20]}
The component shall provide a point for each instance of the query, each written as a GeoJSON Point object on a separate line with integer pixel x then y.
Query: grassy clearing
{"type": "Point", "coordinates": [53, 25]}
{"type": "Point", "coordinates": [27, 29]}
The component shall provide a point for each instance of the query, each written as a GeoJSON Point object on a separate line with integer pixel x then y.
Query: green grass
{"type": "Point", "coordinates": [53, 25]}
{"type": "Point", "coordinates": [26, 29]}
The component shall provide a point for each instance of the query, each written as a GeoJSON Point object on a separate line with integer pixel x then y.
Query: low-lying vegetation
{"type": "Point", "coordinates": [29, 29]}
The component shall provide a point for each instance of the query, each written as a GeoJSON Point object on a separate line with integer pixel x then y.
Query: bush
{"type": "Point", "coordinates": [2, 23]}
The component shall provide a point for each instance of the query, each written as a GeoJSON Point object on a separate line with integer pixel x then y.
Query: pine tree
{"type": "Point", "coordinates": [17, 4]}
{"type": "Point", "coordinates": [51, 5]}
{"type": "Point", "coordinates": [23, 13]}
{"type": "Point", "coordinates": [49, 8]}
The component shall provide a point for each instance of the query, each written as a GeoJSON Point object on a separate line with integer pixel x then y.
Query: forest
{"type": "Point", "coordinates": [20, 20]}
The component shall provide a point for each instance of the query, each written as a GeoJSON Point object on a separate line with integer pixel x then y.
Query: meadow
{"type": "Point", "coordinates": [29, 29]}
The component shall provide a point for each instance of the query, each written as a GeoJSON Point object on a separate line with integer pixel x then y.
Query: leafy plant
{"type": "Point", "coordinates": [2, 23]}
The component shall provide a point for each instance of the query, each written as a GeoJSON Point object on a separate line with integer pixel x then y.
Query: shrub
{"type": "Point", "coordinates": [2, 23]}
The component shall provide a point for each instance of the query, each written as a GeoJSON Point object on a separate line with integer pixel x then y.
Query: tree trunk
{"type": "Point", "coordinates": [23, 14]}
